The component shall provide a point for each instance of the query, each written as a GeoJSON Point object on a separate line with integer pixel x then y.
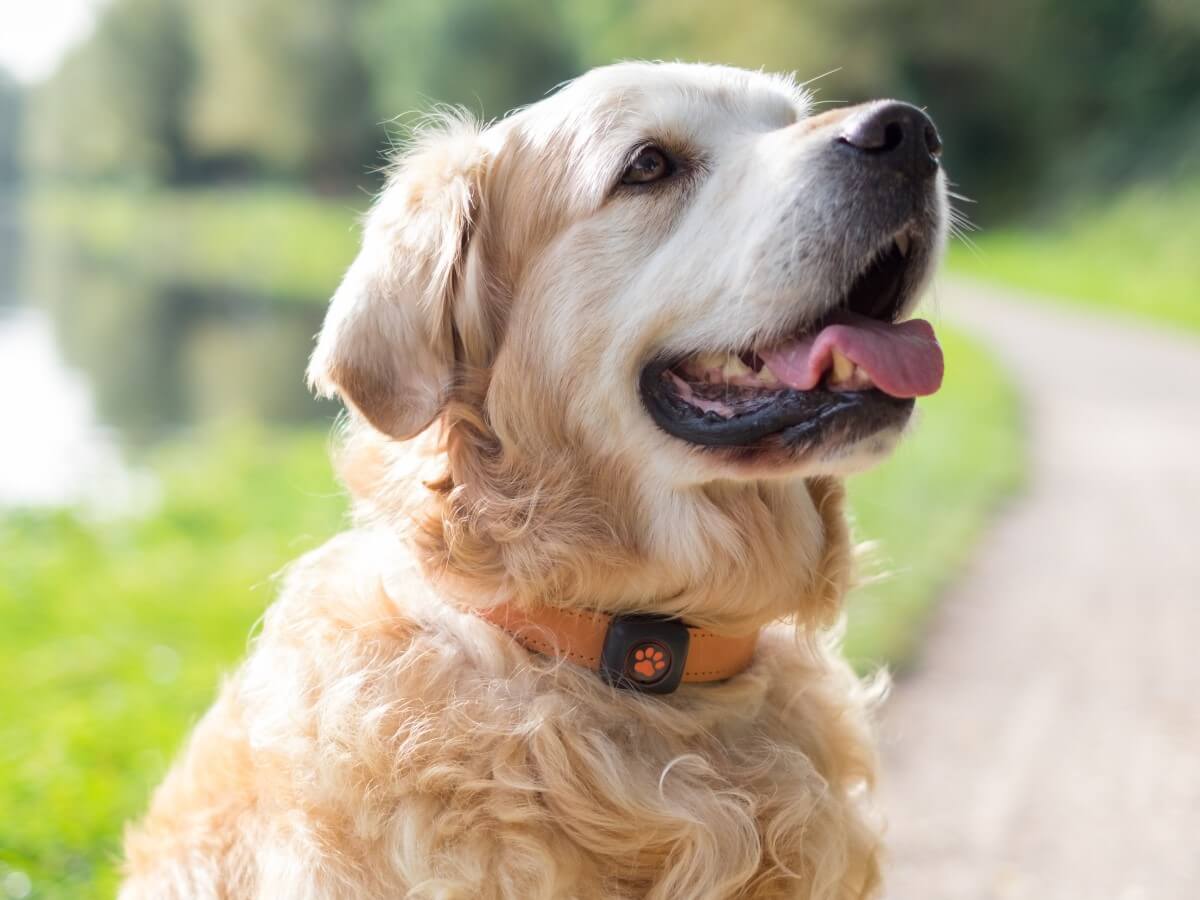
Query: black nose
{"type": "Point", "coordinates": [896, 134]}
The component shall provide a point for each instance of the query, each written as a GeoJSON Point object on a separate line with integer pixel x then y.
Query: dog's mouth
{"type": "Point", "coordinates": [852, 373]}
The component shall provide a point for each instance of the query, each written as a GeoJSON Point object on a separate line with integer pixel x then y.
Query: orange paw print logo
{"type": "Point", "coordinates": [649, 662]}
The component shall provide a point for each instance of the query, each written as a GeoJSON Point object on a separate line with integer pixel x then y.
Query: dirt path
{"type": "Point", "coordinates": [1048, 745]}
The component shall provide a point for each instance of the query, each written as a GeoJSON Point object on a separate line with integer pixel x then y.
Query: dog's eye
{"type": "Point", "coordinates": [651, 164]}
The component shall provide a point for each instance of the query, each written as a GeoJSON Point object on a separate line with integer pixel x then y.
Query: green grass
{"type": "Point", "coordinates": [926, 506]}
{"type": "Point", "coordinates": [275, 242]}
{"type": "Point", "coordinates": [116, 632]}
{"type": "Point", "coordinates": [1137, 255]}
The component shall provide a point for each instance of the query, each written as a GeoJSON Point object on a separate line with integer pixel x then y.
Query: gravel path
{"type": "Point", "coordinates": [1047, 746]}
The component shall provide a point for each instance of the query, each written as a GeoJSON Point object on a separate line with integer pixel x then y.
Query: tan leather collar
{"type": "Point", "coordinates": [645, 653]}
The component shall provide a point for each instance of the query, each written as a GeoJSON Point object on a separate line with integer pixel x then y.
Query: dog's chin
{"type": "Point", "coordinates": [836, 461]}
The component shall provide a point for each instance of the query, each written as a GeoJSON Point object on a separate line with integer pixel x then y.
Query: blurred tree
{"type": "Point", "coordinates": [280, 87]}
{"type": "Point", "coordinates": [487, 55]}
{"type": "Point", "coordinates": [1035, 97]}
{"type": "Point", "coordinates": [1041, 99]}
{"type": "Point", "coordinates": [817, 40]}
{"type": "Point", "coordinates": [115, 106]}
{"type": "Point", "coordinates": [10, 128]}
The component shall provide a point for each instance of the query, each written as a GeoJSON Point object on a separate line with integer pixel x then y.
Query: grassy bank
{"type": "Point", "coordinates": [285, 244]}
{"type": "Point", "coordinates": [925, 507]}
{"type": "Point", "coordinates": [116, 632]}
{"type": "Point", "coordinates": [1134, 255]}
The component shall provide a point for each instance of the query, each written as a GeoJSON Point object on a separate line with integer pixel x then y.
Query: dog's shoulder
{"type": "Point", "coordinates": [334, 643]}
{"type": "Point", "coordinates": [302, 732]}
{"type": "Point", "coordinates": [345, 590]}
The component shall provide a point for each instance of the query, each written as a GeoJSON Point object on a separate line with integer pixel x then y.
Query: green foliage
{"type": "Point", "coordinates": [169, 91]}
{"type": "Point", "coordinates": [279, 85]}
{"type": "Point", "coordinates": [1036, 98]}
{"type": "Point", "coordinates": [1136, 255]}
{"type": "Point", "coordinates": [11, 109]}
{"type": "Point", "coordinates": [116, 633]}
{"type": "Point", "coordinates": [116, 107]}
{"type": "Point", "coordinates": [818, 38]}
{"type": "Point", "coordinates": [1042, 99]}
{"type": "Point", "coordinates": [926, 506]}
{"type": "Point", "coordinates": [486, 55]}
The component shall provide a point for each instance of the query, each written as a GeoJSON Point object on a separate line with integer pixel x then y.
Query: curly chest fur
{"type": "Point", "coordinates": [415, 750]}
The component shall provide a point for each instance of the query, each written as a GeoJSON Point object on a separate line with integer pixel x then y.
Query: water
{"type": "Point", "coordinates": [99, 362]}
{"type": "Point", "coordinates": [55, 451]}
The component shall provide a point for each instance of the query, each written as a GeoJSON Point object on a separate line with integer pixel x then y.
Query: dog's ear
{"type": "Point", "coordinates": [387, 345]}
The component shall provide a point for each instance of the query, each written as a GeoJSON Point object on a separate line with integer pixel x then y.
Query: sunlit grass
{"type": "Point", "coordinates": [925, 507]}
{"type": "Point", "coordinates": [116, 633]}
{"type": "Point", "coordinates": [1137, 255]}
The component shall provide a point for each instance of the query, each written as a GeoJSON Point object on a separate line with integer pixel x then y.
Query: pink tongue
{"type": "Point", "coordinates": [902, 360]}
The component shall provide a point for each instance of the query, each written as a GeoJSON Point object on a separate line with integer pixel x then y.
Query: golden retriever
{"type": "Point", "coordinates": [606, 358]}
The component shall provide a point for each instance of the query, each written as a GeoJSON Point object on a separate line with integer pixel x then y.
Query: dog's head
{"type": "Point", "coordinates": [630, 304]}
{"type": "Point", "coordinates": [677, 266]}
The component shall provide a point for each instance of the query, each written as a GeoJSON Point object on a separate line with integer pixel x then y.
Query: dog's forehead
{"type": "Point", "coordinates": [586, 131]}
{"type": "Point", "coordinates": [695, 100]}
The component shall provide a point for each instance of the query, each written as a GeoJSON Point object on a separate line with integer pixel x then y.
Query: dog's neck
{"type": "Point", "coordinates": [646, 653]}
{"type": "Point", "coordinates": [729, 556]}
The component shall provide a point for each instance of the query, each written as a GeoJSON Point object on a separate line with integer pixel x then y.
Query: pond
{"type": "Point", "coordinates": [100, 362]}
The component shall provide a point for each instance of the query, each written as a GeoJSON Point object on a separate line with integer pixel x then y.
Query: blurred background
{"type": "Point", "coordinates": [179, 188]}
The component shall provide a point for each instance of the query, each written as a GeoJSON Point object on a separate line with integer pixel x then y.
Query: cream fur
{"type": "Point", "coordinates": [383, 741]}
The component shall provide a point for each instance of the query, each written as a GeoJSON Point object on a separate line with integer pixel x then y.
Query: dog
{"type": "Point", "coordinates": [606, 362]}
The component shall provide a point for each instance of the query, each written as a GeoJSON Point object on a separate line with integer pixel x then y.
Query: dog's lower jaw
{"type": "Point", "coordinates": [864, 454]}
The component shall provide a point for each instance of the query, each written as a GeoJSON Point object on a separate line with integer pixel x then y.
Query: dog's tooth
{"type": "Point", "coordinates": [903, 243]}
{"type": "Point", "coordinates": [734, 367]}
{"type": "Point", "coordinates": [859, 380]}
{"type": "Point", "coordinates": [853, 379]}
{"type": "Point", "coordinates": [843, 368]}
{"type": "Point", "coordinates": [766, 376]}
{"type": "Point", "coordinates": [707, 366]}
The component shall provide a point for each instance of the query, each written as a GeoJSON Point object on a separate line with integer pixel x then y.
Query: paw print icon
{"type": "Point", "coordinates": [649, 662]}
{"type": "Point", "coordinates": [645, 653]}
